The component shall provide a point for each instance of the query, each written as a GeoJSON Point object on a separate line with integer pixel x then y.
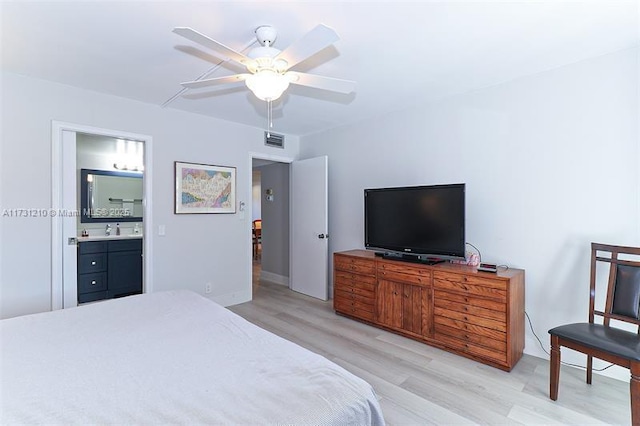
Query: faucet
{"type": "Point", "coordinates": [107, 230]}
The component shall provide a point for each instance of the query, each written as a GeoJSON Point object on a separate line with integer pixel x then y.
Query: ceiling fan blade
{"type": "Point", "coordinates": [321, 82]}
{"type": "Point", "coordinates": [202, 39]}
{"type": "Point", "coordinates": [310, 44]}
{"type": "Point", "coordinates": [198, 84]}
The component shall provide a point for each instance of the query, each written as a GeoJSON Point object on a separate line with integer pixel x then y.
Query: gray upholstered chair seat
{"type": "Point", "coordinates": [597, 336]}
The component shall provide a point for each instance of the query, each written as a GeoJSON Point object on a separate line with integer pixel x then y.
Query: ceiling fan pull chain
{"type": "Point", "coordinates": [269, 121]}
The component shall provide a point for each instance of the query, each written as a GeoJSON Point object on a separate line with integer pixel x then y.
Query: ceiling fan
{"type": "Point", "coordinates": [269, 69]}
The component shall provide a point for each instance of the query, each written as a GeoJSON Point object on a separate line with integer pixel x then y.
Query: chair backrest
{"type": "Point", "coordinates": [623, 288]}
{"type": "Point", "coordinates": [257, 224]}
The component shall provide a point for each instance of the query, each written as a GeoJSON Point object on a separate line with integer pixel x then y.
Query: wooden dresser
{"type": "Point", "coordinates": [479, 315]}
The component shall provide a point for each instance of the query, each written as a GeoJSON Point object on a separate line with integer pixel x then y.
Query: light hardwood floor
{"type": "Point", "coordinates": [419, 385]}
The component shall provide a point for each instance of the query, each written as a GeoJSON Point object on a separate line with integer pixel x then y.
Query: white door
{"type": "Point", "coordinates": [309, 228]}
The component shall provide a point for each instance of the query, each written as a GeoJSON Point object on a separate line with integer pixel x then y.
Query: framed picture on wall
{"type": "Point", "coordinates": [203, 188]}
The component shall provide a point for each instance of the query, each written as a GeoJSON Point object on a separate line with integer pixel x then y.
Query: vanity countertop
{"type": "Point", "coordinates": [108, 237]}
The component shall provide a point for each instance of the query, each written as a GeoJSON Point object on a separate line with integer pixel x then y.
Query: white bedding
{"type": "Point", "coordinates": [169, 357]}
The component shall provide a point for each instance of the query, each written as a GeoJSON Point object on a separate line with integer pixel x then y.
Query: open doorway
{"type": "Point", "coordinates": [66, 156]}
{"type": "Point", "coordinates": [270, 211]}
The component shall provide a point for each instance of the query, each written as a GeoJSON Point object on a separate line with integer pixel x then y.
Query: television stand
{"type": "Point", "coordinates": [411, 258]}
{"type": "Point", "coordinates": [479, 315]}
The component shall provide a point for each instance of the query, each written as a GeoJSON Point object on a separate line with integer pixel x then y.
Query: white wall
{"type": "Point", "coordinates": [256, 202]}
{"type": "Point", "coordinates": [196, 249]}
{"type": "Point", "coordinates": [275, 223]}
{"type": "Point", "coordinates": [550, 161]}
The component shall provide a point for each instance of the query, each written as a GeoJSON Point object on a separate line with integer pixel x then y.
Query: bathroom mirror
{"type": "Point", "coordinates": [110, 196]}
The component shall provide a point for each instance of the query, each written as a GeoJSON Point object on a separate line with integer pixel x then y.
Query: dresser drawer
{"type": "Point", "coordinates": [350, 277]}
{"type": "Point", "coordinates": [472, 348]}
{"type": "Point", "coordinates": [497, 341]}
{"type": "Point", "coordinates": [403, 269]}
{"type": "Point", "coordinates": [471, 319]}
{"type": "Point", "coordinates": [441, 321]}
{"type": "Point", "coordinates": [353, 264]}
{"type": "Point", "coordinates": [90, 263]}
{"type": "Point", "coordinates": [367, 298]}
{"type": "Point", "coordinates": [88, 283]}
{"type": "Point", "coordinates": [422, 280]}
{"type": "Point", "coordinates": [363, 289]}
{"type": "Point", "coordinates": [470, 300]}
{"type": "Point", "coordinates": [353, 308]}
{"type": "Point", "coordinates": [498, 315]}
{"type": "Point", "coordinates": [471, 285]}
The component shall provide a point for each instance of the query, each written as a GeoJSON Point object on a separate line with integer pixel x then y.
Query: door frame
{"type": "Point", "coordinates": [61, 297]}
{"type": "Point", "coordinates": [249, 206]}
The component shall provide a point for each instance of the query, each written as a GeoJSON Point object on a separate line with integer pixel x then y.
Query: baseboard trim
{"type": "Point", "coordinates": [274, 278]}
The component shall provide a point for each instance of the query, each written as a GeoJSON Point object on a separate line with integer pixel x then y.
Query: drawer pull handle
{"type": "Point", "coordinates": [93, 263]}
{"type": "Point", "coordinates": [93, 282]}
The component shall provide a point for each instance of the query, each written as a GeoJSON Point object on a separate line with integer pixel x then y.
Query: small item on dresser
{"type": "Point", "coordinates": [488, 267]}
{"type": "Point", "coordinates": [85, 233]}
{"type": "Point", "coordinates": [117, 229]}
{"type": "Point", "coordinates": [136, 228]}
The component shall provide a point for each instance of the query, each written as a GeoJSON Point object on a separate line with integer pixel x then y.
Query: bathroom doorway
{"type": "Point", "coordinates": [66, 197]}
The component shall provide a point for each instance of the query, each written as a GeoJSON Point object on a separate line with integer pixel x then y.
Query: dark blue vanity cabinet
{"type": "Point", "coordinates": [109, 268]}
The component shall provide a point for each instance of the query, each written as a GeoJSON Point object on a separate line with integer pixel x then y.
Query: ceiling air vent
{"type": "Point", "coordinates": [274, 140]}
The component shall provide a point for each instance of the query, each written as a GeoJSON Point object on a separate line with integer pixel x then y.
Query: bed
{"type": "Point", "coordinates": [167, 358]}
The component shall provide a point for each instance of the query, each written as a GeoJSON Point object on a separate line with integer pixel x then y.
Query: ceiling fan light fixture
{"type": "Point", "coordinates": [267, 85]}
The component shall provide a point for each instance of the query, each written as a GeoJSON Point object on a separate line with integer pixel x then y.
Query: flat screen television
{"type": "Point", "coordinates": [420, 223]}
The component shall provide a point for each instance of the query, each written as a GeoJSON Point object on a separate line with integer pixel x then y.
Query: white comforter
{"type": "Point", "coordinates": [170, 357]}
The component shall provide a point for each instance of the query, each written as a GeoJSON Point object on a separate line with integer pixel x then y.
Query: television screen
{"type": "Point", "coordinates": [419, 220]}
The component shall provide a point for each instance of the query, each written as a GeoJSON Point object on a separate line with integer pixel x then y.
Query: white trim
{"type": "Point", "coordinates": [249, 207]}
{"type": "Point", "coordinates": [263, 156]}
{"type": "Point", "coordinates": [57, 127]}
{"type": "Point", "coordinates": [274, 278]}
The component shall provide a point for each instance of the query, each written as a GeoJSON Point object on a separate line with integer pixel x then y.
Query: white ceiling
{"type": "Point", "coordinates": [399, 53]}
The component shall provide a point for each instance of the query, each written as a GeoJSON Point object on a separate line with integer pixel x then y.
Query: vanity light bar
{"type": "Point", "coordinates": [132, 168]}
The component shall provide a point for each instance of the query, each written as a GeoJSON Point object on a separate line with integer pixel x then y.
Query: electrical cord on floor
{"type": "Point", "coordinates": [561, 362]}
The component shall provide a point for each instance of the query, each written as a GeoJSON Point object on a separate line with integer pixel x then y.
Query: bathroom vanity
{"type": "Point", "coordinates": [109, 267]}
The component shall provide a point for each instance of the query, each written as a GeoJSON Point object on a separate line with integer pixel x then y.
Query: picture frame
{"type": "Point", "coordinates": [204, 188]}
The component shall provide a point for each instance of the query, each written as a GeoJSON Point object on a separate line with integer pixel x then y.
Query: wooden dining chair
{"type": "Point", "coordinates": [605, 339]}
{"type": "Point", "coordinates": [257, 237]}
